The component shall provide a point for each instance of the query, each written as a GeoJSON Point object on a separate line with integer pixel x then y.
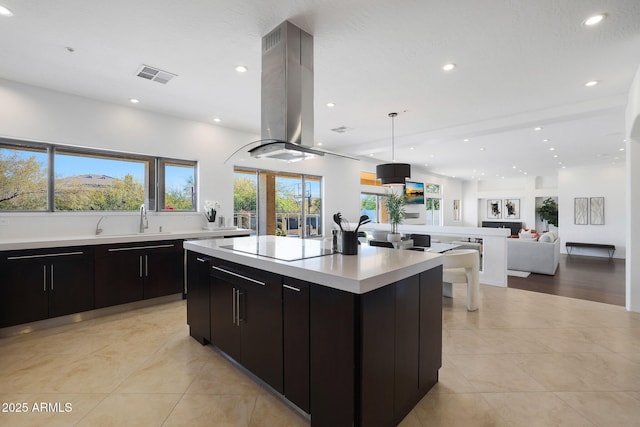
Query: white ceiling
{"type": "Point", "coordinates": [520, 64]}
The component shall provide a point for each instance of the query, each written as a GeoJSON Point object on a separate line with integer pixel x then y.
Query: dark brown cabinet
{"type": "Point", "coordinates": [295, 327]}
{"type": "Point", "coordinates": [246, 318]}
{"type": "Point", "coordinates": [39, 284]}
{"type": "Point", "coordinates": [134, 271]}
{"type": "Point", "coordinates": [198, 297]}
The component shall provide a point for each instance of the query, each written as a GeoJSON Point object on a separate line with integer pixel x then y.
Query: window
{"type": "Point", "coordinates": [433, 211]}
{"type": "Point", "coordinates": [85, 182]}
{"type": "Point", "coordinates": [179, 190]}
{"type": "Point", "coordinates": [23, 178]}
{"type": "Point", "coordinates": [372, 205]}
{"type": "Point", "coordinates": [46, 177]}
{"type": "Point", "coordinates": [290, 204]}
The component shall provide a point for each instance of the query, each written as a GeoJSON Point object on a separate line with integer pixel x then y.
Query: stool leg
{"type": "Point", "coordinates": [447, 289]}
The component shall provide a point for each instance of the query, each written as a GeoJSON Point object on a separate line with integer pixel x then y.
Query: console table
{"type": "Point", "coordinates": [571, 245]}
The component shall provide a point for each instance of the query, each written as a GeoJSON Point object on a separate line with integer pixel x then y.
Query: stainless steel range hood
{"type": "Point", "coordinates": [287, 95]}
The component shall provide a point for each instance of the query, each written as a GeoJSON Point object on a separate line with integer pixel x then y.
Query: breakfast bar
{"type": "Point", "coordinates": [348, 339]}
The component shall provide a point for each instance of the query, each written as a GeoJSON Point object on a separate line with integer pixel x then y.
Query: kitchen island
{"type": "Point", "coordinates": [350, 340]}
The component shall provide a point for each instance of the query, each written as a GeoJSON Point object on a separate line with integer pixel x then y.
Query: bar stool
{"type": "Point", "coordinates": [462, 266]}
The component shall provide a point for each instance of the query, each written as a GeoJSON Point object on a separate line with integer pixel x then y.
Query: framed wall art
{"type": "Point", "coordinates": [512, 208]}
{"type": "Point", "coordinates": [581, 211]}
{"type": "Point", "coordinates": [596, 210]}
{"type": "Point", "coordinates": [494, 209]}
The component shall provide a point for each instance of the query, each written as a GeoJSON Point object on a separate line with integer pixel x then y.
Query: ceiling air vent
{"type": "Point", "coordinates": [155, 74]}
{"type": "Point", "coordinates": [341, 129]}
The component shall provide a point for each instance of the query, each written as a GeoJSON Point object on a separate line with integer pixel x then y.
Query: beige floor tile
{"type": "Point", "coordinates": [534, 409]}
{"type": "Point", "coordinates": [448, 410]}
{"type": "Point", "coordinates": [495, 373]}
{"type": "Point", "coordinates": [411, 420]}
{"type": "Point", "coordinates": [451, 380]}
{"type": "Point", "coordinates": [58, 409]}
{"type": "Point", "coordinates": [131, 410]}
{"type": "Point", "coordinates": [165, 372]}
{"type": "Point", "coordinates": [514, 341]}
{"type": "Point", "coordinates": [618, 340]}
{"type": "Point", "coordinates": [270, 411]}
{"type": "Point", "coordinates": [569, 340]}
{"type": "Point", "coordinates": [582, 371]}
{"type": "Point", "coordinates": [206, 410]}
{"type": "Point", "coordinates": [219, 376]}
{"type": "Point", "coordinates": [605, 409]}
{"type": "Point", "coordinates": [464, 341]}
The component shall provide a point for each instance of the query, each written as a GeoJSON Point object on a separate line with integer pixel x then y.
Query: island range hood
{"type": "Point", "coordinates": [287, 95]}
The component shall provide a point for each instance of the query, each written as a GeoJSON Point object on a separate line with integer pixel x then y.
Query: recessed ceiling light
{"type": "Point", "coordinates": [591, 83]}
{"type": "Point", "coordinates": [431, 156]}
{"type": "Point", "coordinates": [426, 164]}
{"type": "Point", "coordinates": [371, 155]}
{"type": "Point", "coordinates": [5, 12]}
{"type": "Point", "coordinates": [448, 67]}
{"type": "Point", "coordinates": [482, 173]}
{"type": "Point", "coordinates": [514, 167]}
{"type": "Point", "coordinates": [466, 140]}
{"type": "Point", "coordinates": [318, 143]}
{"type": "Point", "coordinates": [551, 149]}
{"type": "Point", "coordinates": [525, 173]}
{"type": "Point", "coordinates": [217, 119]}
{"type": "Point", "coordinates": [564, 167]}
{"type": "Point", "coordinates": [412, 148]}
{"type": "Point", "coordinates": [134, 100]}
{"type": "Point", "coordinates": [621, 149]}
{"type": "Point", "coordinates": [331, 104]}
{"type": "Point", "coordinates": [545, 140]}
{"type": "Point", "coordinates": [241, 69]}
{"type": "Point", "coordinates": [537, 128]}
{"type": "Point", "coordinates": [595, 19]}
{"type": "Point", "coordinates": [481, 148]}
{"type": "Point", "coordinates": [555, 156]}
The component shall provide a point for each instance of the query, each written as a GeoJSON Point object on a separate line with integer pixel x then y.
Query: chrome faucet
{"type": "Point", "coordinates": [144, 221]}
{"type": "Point", "coordinates": [98, 229]}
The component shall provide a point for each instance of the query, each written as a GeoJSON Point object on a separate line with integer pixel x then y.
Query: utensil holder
{"type": "Point", "coordinates": [349, 243]}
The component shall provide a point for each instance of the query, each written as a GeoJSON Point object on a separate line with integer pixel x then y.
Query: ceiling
{"type": "Point", "coordinates": [519, 65]}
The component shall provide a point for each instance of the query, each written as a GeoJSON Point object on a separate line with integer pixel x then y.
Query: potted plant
{"type": "Point", "coordinates": [548, 212]}
{"type": "Point", "coordinates": [395, 204]}
{"type": "Point", "coordinates": [210, 211]}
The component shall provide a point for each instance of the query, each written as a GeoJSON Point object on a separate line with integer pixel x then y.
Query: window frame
{"type": "Point", "coordinates": [154, 180]}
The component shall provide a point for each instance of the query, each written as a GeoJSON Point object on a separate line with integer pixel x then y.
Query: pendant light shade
{"type": "Point", "coordinates": [393, 173]}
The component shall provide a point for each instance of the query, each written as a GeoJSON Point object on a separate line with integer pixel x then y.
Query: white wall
{"type": "Point", "coordinates": [525, 189]}
{"type": "Point", "coordinates": [607, 182]}
{"type": "Point", "coordinates": [632, 180]}
{"type": "Point", "coordinates": [37, 114]}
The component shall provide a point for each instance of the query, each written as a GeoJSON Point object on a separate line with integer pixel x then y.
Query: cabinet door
{"type": "Point", "coordinates": [198, 299]}
{"type": "Point", "coordinates": [261, 322]}
{"type": "Point", "coordinates": [407, 344]}
{"type": "Point", "coordinates": [71, 282]}
{"type": "Point", "coordinates": [258, 296]}
{"type": "Point", "coordinates": [295, 336]}
{"type": "Point", "coordinates": [23, 291]}
{"type": "Point", "coordinates": [118, 277]}
{"type": "Point", "coordinates": [163, 273]}
{"type": "Point", "coordinates": [225, 330]}
{"type": "Point", "coordinates": [430, 326]}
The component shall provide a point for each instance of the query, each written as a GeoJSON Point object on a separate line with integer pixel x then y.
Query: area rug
{"type": "Point", "coordinates": [523, 274]}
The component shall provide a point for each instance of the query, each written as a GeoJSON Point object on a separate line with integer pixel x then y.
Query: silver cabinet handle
{"type": "Point", "coordinates": [135, 248]}
{"type": "Point", "coordinates": [238, 306]}
{"type": "Point", "coordinates": [44, 255]}
{"type": "Point", "coordinates": [233, 305]}
{"type": "Point", "coordinates": [51, 276]}
{"type": "Point", "coordinates": [146, 266]}
{"type": "Point", "coordinates": [140, 265]}
{"type": "Point", "coordinates": [290, 287]}
{"type": "Point", "coordinates": [200, 260]}
{"type": "Point", "coordinates": [44, 278]}
{"type": "Point", "coordinates": [239, 275]}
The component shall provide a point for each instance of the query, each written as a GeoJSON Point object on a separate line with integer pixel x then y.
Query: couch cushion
{"type": "Point", "coordinates": [549, 237]}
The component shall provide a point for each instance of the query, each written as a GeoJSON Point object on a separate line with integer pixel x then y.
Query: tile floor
{"type": "Point", "coordinates": [523, 359]}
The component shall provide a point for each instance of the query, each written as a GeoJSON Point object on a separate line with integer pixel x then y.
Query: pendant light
{"type": "Point", "coordinates": [393, 173]}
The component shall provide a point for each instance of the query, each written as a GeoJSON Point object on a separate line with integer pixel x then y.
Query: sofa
{"type": "Point", "coordinates": [533, 255]}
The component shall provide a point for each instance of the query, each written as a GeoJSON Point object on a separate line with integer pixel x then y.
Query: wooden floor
{"type": "Point", "coordinates": [582, 277]}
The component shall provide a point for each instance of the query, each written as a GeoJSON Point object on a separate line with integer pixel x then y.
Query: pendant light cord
{"type": "Point", "coordinates": [393, 147]}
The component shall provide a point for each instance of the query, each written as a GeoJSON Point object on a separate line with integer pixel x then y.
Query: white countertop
{"type": "Point", "coordinates": [102, 239]}
{"type": "Point", "coordinates": [372, 268]}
